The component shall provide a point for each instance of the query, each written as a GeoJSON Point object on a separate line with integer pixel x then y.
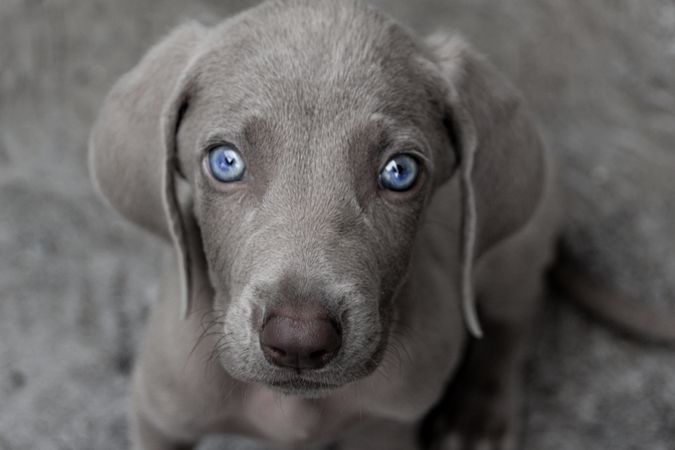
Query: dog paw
{"type": "Point", "coordinates": [455, 441]}
{"type": "Point", "coordinates": [474, 419]}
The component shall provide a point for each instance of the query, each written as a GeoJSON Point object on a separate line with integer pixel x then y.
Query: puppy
{"type": "Point", "coordinates": [342, 199]}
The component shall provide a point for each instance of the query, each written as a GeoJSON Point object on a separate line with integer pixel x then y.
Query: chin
{"type": "Point", "coordinates": [303, 383]}
{"type": "Point", "coordinates": [300, 387]}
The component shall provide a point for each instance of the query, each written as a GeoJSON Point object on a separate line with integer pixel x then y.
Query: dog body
{"type": "Point", "coordinates": [309, 301]}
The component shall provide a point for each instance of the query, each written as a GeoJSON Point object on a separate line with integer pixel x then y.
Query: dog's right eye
{"type": "Point", "coordinates": [226, 164]}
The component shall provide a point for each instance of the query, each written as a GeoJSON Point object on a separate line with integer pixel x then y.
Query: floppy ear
{"type": "Point", "coordinates": [500, 155]}
{"type": "Point", "coordinates": [132, 145]}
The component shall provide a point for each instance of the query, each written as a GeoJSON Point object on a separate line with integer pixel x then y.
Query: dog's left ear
{"type": "Point", "coordinates": [501, 160]}
{"type": "Point", "coordinates": [132, 149]}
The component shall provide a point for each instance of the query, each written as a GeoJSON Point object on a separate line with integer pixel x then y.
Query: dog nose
{"type": "Point", "coordinates": [300, 342]}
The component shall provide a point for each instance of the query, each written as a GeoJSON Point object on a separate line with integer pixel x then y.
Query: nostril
{"type": "Point", "coordinates": [320, 354]}
{"type": "Point", "coordinates": [278, 350]}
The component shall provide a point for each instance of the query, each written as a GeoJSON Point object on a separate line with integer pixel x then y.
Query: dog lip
{"type": "Point", "coordinates": [299, 385]}
{"type": "Point", "coordinates": [302, 384]}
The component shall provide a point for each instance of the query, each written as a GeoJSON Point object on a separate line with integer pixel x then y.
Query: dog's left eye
{"type": "Point", "coordinates": [400, 173]}
{"type": "Point", "coordinates": [226, 164]}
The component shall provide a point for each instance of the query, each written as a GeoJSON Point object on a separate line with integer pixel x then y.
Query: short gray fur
{"type": "Point", "coordinates": [600, 390]}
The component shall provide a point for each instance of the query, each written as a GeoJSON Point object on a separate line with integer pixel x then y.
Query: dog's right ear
{"type": "Point", "coordinates": [132, 146]}
{"type": "Point", "coordinates": [501, 158]}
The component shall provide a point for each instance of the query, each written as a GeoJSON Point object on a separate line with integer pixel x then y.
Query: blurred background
{"type": "Point", "coordinates": [76, 281]}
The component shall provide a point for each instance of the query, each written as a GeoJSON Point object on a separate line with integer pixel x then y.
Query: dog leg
{"type": "Point", "coordinates": [480, 408]}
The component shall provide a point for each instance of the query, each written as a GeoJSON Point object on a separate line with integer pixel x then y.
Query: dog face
{"type": "Point", "coordinates": [310, 137]}
{"type": "Point", "coordinates": [334, 145]}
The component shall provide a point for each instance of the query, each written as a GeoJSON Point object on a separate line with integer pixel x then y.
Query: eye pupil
{"type": "Point", "coordinates": [400, 173]}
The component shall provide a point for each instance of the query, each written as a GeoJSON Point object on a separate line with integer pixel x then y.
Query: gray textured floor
{"type": "Point", "coordinates": [75, 282]}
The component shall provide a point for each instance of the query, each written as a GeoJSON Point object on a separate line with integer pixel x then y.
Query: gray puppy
{"type": "Point", "coordinates": [340, 196]}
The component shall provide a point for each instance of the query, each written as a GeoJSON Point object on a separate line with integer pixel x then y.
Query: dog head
{"type": "Point", "coordinates": [289, 155]}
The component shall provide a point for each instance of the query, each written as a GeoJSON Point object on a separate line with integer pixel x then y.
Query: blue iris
{"type": "Point", "coordinates": [400, 173]}
{"type": "Point", "coordinates": [226, 164]}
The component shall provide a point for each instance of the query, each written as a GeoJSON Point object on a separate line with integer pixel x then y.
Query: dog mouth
{"type": "Point", "coordinates": [302, 385]}
{"type": "Point", "coordinates": [299, 385]}
{"type": "Point", "coordinates": [309, 384]}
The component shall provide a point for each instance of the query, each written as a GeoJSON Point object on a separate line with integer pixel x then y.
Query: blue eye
{"type": "Point", "coordinates": [226, 164]}
{"type": "Point", "coordinates": [400, 173]}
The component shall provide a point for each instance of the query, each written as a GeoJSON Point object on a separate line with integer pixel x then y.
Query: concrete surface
{"type": "Point", "coordinates": [76, 282]}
